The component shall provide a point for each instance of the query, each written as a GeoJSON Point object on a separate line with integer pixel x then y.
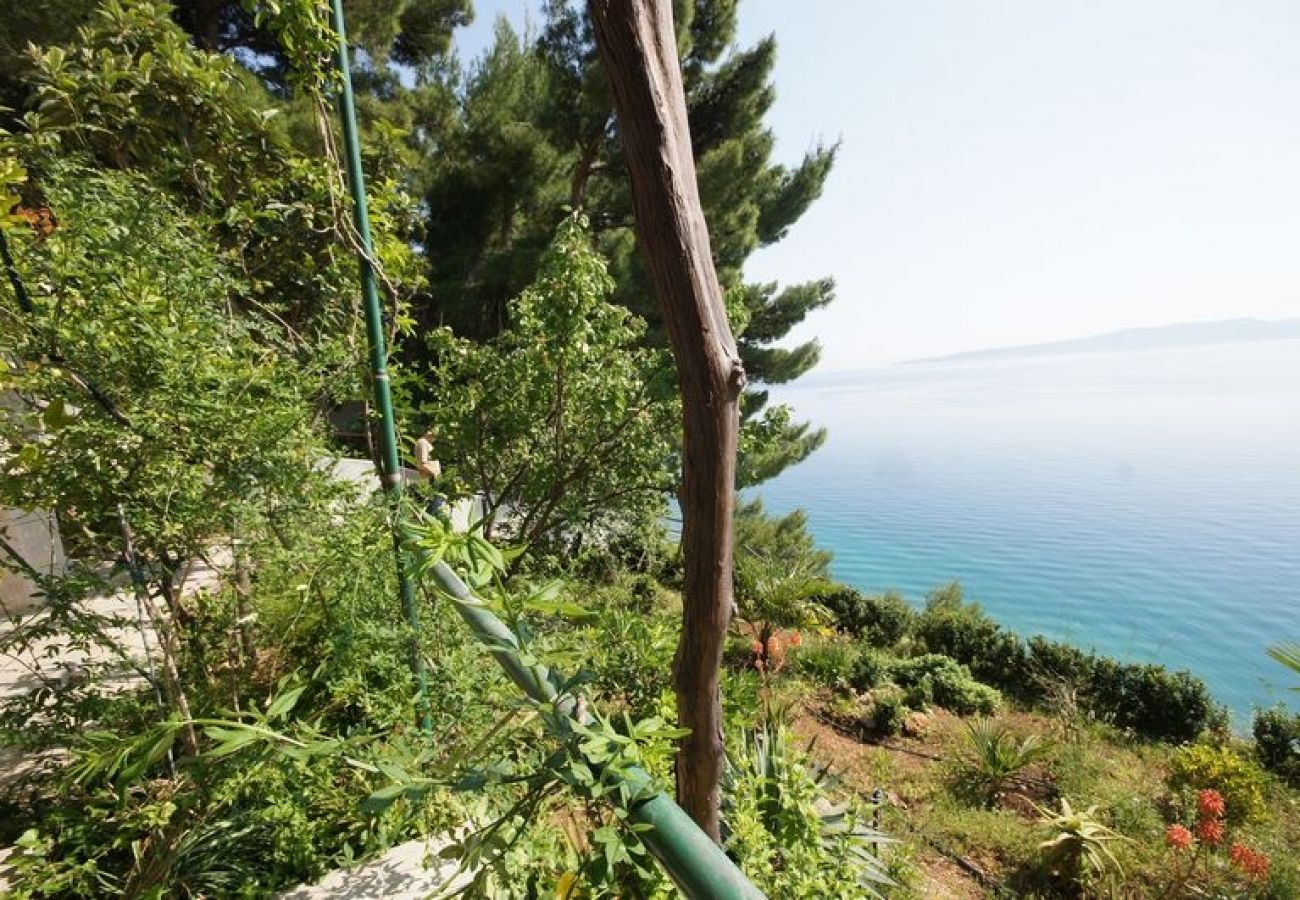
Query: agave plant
{"type": "Point", "coordinates": [1080, 844]}
{"type": "Point", "coordinates": [993, 757]}
{"type": "Point", "coordinates": [781, 823]}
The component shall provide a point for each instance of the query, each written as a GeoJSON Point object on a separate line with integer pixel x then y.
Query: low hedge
{"type": "Point", "coordinates": [1148, 699]}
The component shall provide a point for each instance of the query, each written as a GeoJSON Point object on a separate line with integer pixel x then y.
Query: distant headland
{"type": "Point", "coordinates": [1185, 334]}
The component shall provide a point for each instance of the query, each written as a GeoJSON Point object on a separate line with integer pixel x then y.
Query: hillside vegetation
{"type": "Point", "coordinates": [183, 358]}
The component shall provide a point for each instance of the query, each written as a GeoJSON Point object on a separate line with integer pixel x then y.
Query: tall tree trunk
{"type": "Point", "coordinates": [639, 51]}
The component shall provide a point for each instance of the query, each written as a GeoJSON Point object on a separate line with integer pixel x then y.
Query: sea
{"type": "Point", "coordinates": [1145, 504]}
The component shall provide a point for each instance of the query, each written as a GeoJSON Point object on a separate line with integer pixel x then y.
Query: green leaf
{"type": "Point", "coordinates": [280, 706]}
{"type": "Point", "coordinates": [229, 740]}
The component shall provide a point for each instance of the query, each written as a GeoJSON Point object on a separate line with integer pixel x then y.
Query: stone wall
{"type": "Point", "coordinates": [35, 536]}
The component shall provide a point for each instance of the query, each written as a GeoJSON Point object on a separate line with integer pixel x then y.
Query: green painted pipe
{"type": "Point", "coordinates": [390, 473]}
{"type": "Point", "coordinates": [697, 865]}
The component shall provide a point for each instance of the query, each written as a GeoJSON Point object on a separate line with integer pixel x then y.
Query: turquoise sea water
{"type": "Point", "coordinates": [1144, 504]}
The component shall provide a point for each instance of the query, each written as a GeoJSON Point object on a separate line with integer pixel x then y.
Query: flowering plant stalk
{"type": "Point", "coordinates": [1208, 834]}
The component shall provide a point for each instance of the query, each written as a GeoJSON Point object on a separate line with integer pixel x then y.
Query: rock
{"type": "Point", "coordinates": [916, 724]}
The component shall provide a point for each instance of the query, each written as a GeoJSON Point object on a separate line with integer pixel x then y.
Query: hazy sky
{"type": "Point", "coordinates": [1014, 170]}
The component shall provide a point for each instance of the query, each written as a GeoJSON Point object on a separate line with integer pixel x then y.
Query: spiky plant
{"type": "Point", "coordinates": [784, 828]}
{"type": "Point", "coordinates": [1079, 846]}
{"type": "Point", "coordinates": [993, 756]}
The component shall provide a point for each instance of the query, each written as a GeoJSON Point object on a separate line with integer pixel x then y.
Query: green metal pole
{"type": "Point", "coordinates": [390, 474]}
{"type": "Point", "coordinates": [697, 865]}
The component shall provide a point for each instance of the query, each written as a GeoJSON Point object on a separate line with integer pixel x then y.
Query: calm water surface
{"type": "Point", "coordinates": [1144, 504]}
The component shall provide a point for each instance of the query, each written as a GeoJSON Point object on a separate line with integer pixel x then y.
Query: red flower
{"type": "Point", "coordinates": [1253, 864]}
{"type": "Point", "coordinates": [1210, 831]}
{"type": "Point", "coordinates": [1210, 804]}
{"type": "Point", "coordinates": [1178, 837]}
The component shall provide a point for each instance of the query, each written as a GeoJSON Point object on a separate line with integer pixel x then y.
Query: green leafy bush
{"type": "Point", "coordinates": [888, 709]}
{"type": "Point", "coordinates": [871, 669]}
{"type": "Point", "coordinates": [1151, 700]}
{"type": "Point", "coordinates": [962, 630]}
{"type": "Point", "coordinates": [933, 678]}
{"type": "Point", "coordinates": [631, 656]}
{"type": "Point", "coordinates": [1147, 699]}
{"type": "Point", "coordinates": [1277, 742]}
{"type": "Point", "coordinates": [957, 692]}
{"type": "Point", "coordinates": [882, 620]}
{"type": "Point", "coordinates": [1053, 661]}
{"type": "Point", "coordinates": [828, 662]}
{"type": "Point", "coordinates": [782, 827]}
{"type": "Point", "coordinates": [1241, 782]}
{"type": "Point", "coordinates": [888, 618]}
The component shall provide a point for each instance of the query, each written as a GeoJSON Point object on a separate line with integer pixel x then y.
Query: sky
{"type": "Point", "coordinates": [1014, 171]}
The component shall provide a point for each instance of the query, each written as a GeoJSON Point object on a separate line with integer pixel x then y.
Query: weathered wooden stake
{"type": "Point", "coordinates": [638, 48]}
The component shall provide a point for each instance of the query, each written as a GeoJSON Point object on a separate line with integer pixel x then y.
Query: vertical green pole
{"type": "Point", "coordinates": [391, 474]}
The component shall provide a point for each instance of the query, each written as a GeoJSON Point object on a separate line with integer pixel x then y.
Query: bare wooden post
{"type": "Point", "coordinates": [638, 48]}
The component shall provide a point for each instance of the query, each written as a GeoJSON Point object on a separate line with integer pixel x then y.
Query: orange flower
{"type": "Point", "coordinates": [775, 652]}
{"type": "Point", "coordinates": [1210, 804]}
{"type": "Point", "coordinates": [1210, 831]}
{"type": "Point", "coordinates": [795, 639]}
{"type": "Point", "coordinates": [1253, 864]}
{"type": "Point", "coordinates": [1178, 837]}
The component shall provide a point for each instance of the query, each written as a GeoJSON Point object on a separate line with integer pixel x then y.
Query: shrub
{"type": "Point", "coordinates": [940, 679]}
{"type": "Point", "coordinates": [919, 694]}
{"type": "Point", "coordinates": [965, 696]}
{"type": "Point", "coordinates": [643, 592]}
{"type": "Point", "coordinates": [1049, 661]}
{"type": "Point", "coordinates": [1277, 742]}
{"type": "Point", "coordinates": [888, 709]}
{"type": "Point", "coordinates": [847, 607]}
{"type": "Point", "coordinates": [882, 620]}
{"type": "Point", "coordinates": [1151, 700]}
{"type": "Point", "coordinates": [965, 632]}
{"type": "Point", "coordinates": [828, 662]}
{"type": "Point", "coordinates": [1204, 767]}
{"type": "Point", "coordinates": [889, 619]}
{"type": "Point", "coordinates": [632, 658]}
{"type": "Point", "coordinates": [1147, 699]}
{"type": "Point", "coordinates": [871, 669]}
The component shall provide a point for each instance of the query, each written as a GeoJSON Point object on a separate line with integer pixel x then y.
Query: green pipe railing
{"type": "Point", "coordinates": [390, 470]}
{"type": "Point", "coordinates": [694, 862]}
{"type": "Point", "coordinates": [690, 857]}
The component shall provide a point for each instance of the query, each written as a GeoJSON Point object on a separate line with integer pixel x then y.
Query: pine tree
{"type": "Point", "coordinates": [535, 134]}
{"type": "Point", "coordinates": [409, 32]}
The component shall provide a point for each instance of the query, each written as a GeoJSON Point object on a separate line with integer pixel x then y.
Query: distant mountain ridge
{"type": "Point", "coordinates": [1184, 334]}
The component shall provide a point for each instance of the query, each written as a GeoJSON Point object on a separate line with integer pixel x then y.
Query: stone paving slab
{"type": "Point", "coordinates": [400, 874]}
